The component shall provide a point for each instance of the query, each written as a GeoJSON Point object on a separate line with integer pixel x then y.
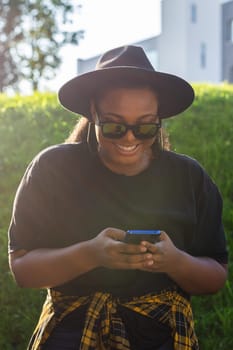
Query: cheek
{"type": "Point", "coordinates": [149, 143]}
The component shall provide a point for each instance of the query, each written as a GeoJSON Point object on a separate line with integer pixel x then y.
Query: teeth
{"type": "Point", "coordinates": [127, 148]}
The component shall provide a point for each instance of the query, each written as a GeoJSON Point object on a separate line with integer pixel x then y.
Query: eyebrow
{"type": "Point", "coordinates": [122, 118]}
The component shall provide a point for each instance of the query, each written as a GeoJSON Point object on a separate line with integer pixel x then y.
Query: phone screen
{"type": "Point", "coordinates": [136, 236]}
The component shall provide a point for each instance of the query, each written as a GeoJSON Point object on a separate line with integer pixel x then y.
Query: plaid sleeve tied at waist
{"type": "Point", "coordinates": [104, 328]}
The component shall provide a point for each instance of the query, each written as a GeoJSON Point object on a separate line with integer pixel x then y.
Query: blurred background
{"type": "Point", "coordinates": [41, 41]}
{"type": "Point", "coordinates": [44, 43]}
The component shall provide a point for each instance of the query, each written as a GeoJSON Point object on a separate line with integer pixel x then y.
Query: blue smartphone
{"type": "Point", "coordinates": [136, 236]}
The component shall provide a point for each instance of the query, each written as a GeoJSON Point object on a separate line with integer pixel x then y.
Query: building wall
{"type": "Point", "coordinates": [227, 42]}
{"type": "Point", "coordinates": [193, 48]}
{"type": "Point", "coordinates": [149, 45]}
{"type": "Point", "coordinates": [86, 65]}
{"type": "Point", "coordinates": [191, 42]}
{"type": "Point", "coordinates": [204, 41]}
{"type": "Point", "coordinates": [172, 41]}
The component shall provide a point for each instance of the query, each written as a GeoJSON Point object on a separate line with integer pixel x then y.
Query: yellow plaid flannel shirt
{"type": "Point", "coordinates": [104, 328]}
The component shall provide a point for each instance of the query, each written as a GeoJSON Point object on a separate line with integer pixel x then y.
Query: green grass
{"type": "Point", "coordinates": [205, 133]}
{"type": "Point", "coordinates": [29, 124]}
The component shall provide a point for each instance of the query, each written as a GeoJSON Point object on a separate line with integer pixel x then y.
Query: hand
{"type": "Point", "coordinates": [195, 275]}
{"type": "Point", "coordinates": [110, 251]}
{"type": "Point", "coordinates": [165, 255]}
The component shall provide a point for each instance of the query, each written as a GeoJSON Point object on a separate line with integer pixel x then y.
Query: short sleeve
{"type": "Point", "coordinates": [209, 239]}
{"type": "Point", "coordinates": [31, 220]}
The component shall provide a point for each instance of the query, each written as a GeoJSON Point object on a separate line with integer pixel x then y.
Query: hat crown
{"type": "Point", "coordinates": [125, 56]}
{"type": "Point", "coordinates": [126, 66]}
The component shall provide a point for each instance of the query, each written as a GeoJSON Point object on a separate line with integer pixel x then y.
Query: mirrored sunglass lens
{"type": "Point", "coordinates": [113, 129]}
{"type": "Point", "coordinates": [146, 130]}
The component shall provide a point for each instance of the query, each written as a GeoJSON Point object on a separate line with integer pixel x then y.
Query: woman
{"type": "Point", "coordinates": [77, 200]}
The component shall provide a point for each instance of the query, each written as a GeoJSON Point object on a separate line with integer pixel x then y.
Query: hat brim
{"type": "Point", "coordinates": [174, 93]}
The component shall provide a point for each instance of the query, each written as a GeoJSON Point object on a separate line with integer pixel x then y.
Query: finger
{"type": "Point", "coordinates": [136, 261]}
{"type": "Point", "coordinates": [152, 247]}
{"type": "Point", "coordinates": [115, 234]}
{"type": "Point", "coordinates": [163, 236]}
{"type": "Point", "coordinates": [132, 248]}
{"type": "Point", "coordinates": [153, 264]}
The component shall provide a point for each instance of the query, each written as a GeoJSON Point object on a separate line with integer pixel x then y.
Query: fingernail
{"type": "Point", "coordinates": [149, 256]}
{"type": "Point", "coordinates": [150, 262]}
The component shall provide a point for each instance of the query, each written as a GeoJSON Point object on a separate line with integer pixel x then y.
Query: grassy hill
{"type": "Point", "coordinates": [29, 124]}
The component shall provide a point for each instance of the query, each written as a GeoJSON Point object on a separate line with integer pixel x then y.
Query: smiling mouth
{"type": "Point", "coordinates": [127, 149]}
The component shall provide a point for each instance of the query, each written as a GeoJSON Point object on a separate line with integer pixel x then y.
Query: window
{"type": "Point", "coordinates": [229, 32]}
{"type": "Point", "coordinates": [232, 31]}
{"type": "Point", "coordinates": [193, 13]}
{"type": "Point", "coordinates": [203, 55]}
{"type": "Point", "coordinates": [231, 75]}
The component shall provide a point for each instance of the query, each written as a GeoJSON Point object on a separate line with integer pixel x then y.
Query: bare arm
{"type": "Point", "coordinates": [44, 268]}
{"type": "Point", "coordinates": [195, 275]}
{"type": "Point", "coordinates": [199, 275]}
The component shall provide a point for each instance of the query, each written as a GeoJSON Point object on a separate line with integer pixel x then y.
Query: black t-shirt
{"type": "Point", "coordinates": [67, 196]}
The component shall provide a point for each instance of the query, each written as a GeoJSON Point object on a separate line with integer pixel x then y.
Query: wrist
{"type": "Point", "coordinates": [178, 264]}
{"type": "Point", "coordinates": [91, 253]}
{"type": "Point", "coordinates": [83, 257]}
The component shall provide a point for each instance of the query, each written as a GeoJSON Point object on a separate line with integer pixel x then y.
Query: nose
{"type": "Point", "coordinates": [129, 136]}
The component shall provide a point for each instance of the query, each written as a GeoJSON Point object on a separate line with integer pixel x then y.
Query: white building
{"type": "Point", "coordinates": [196, 38]}
{"type": "Point", "coordinates": [196, 41]}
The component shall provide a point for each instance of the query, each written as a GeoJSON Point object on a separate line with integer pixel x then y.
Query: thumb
{"type": "Point", "coordinates": [164, 236]}
{"type": "Point", "coordinates": [116, 234]}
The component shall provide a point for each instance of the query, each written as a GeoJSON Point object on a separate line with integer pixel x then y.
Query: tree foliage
{"type": "Point", "coordinates": [31, 35]}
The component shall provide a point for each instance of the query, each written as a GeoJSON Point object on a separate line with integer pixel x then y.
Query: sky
{"type": "Point", "coordinates": [107, 24]}
{"type": "Point", "coordinates": [110, 23]}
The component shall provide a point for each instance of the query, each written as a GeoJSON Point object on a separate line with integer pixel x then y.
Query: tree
{"type": "Point", "coordinates": [9, 37]}
{"type": "Point", "coordinates": [30, 39]}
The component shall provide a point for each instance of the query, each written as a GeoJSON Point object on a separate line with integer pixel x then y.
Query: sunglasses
{"type": "Point", "coordinates": [117, 130]}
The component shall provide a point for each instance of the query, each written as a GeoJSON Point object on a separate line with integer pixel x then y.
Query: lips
{"type": "Point", "coordinates": [127, 149]}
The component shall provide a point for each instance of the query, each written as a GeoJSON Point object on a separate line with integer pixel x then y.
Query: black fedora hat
{"type": "Point", "coordinates": [126, 64]}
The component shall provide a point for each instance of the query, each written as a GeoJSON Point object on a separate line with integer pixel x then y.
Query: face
{"type": "Point", "coordinates": [128, 154]}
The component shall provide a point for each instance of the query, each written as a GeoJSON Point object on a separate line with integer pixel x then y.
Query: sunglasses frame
{"type": "Point", "coordinates": [127, 127]}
